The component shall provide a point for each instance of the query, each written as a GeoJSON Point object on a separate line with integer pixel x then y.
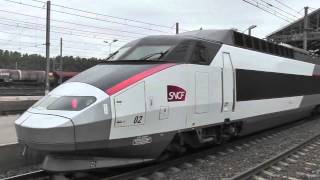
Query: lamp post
{"type": "Point", "coordinates": [250, 28]}
{"type": "Point", "coordinates": [110, 43]}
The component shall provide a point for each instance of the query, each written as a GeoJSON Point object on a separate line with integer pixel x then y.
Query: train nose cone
{"type": "Point", "coordinates": [46, 132]}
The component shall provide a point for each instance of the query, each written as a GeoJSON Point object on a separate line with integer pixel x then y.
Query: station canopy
{"type": "Point", "coordinates": [293, 33]}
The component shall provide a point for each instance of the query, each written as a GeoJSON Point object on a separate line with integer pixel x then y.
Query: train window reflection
{"type": "Point", "coordinates": [72, 103]}
{"type": "Point", "coordinates": [44, 102]}
{"type": "Point", "coordinates": [118, 53]}
{"type": "Point", "coordinates": [141, 52]}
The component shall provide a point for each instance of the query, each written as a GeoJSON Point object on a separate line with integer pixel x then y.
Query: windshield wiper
{"type": "Point", "coordinates": [111, 55]}
{"type": "Point", "coordinates": [154, 54]}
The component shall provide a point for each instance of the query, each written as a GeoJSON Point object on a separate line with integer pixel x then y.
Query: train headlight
{"type": "Point", "coordinates": [66, 103]}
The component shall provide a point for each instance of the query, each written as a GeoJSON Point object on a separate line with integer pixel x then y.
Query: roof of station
{"type": "Point", "coordinates": [293, 33]}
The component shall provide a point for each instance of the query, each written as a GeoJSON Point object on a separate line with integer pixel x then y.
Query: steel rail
{"type": "Point", "coordinates": [29, 175]}
{"type": "Point", "coordinates": [266, 164]}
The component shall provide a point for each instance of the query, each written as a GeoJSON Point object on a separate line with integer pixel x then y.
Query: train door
{"type": "Point", "coordinates": [228, 85]}
{"type": "Point", "coordinates": [130, 107]}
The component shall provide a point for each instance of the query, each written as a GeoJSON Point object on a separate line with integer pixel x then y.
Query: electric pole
{"type": "Point", "coordinates": [305, 29]}
{"type": "Point", "coordinates": [47, 88]}
{"type": "Point", "coordinates": [177, 28]}
{"type": "Point", "coordinates": [61, 61]}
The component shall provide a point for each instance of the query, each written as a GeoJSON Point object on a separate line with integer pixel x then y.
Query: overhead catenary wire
{"type": "Point", "coordinates": [9, 43]}
{"type": "Point", "coordinates": [109, 16]}
{"type": "Point", "coordinates": [38, 51]}
{"type": "Point", "coordinates": [70, 29]}
{"type": "Point", "coordinates": [57, 32]}
{"type": "Point", "coordinates": [91, 18]}
{"type": "Point", "coordinates": [272, 9]}
{"type": "Point", "coordinates": [32, 44]}
{"type": "Point", "coordinates": [26, 44]}
{"type": "Point", "coordinates": [86, 32]}
{"type": "Point", "coordinates": [22, 44]}
{"type": "Point", "coordinates": [276, 7]}
{"type": "Point", "coordinates": [267, 11]}
{"type": "Point", "coordinates": [287, 6]}
{"type": "Point", "coordinates": [73, 23]}
{"type": "Point", "coordinates": [56, 39]}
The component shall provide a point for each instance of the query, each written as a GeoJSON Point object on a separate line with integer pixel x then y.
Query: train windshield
{"type": "Point", "coordinates": [149, 49]}
{"type": "Point", "coordinates": [64, 103]}
{"type": "Point", "coordinates": [150, 52]}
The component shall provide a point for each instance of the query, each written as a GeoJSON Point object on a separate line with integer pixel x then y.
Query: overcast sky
{"type": "Point", "coordinates": [24, 33]}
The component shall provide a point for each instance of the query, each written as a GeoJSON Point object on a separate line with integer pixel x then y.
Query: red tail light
{"type": "Point", "coordinates": [74, 103]}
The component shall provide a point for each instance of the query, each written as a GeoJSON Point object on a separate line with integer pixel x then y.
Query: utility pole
{"type": "Point", "coordinates": [61, 61]}
{"type": "Point", "coordinates": [177, 28]}
{"type": "Point", "coordinates": [305, 29]}
{"type": "Point", "coordinates": [47, 88]}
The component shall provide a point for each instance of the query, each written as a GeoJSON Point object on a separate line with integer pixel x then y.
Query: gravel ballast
{"type": "Point", "coordinates": [228, 164]}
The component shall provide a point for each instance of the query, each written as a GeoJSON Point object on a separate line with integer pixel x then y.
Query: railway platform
{"type": "Point", "coordinates": [10, 104]}
{"type": "Point", "coordinates": [7, 130]}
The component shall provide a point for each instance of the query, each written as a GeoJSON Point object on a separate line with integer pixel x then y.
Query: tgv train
{"type": "Point", "coordinates": [162, 94]}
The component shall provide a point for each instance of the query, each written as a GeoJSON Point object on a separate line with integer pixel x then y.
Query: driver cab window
{"type": "Point", "coordinates": [203, 53]}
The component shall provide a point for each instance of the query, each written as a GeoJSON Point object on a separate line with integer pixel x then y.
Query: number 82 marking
{"type": "Point", "coordinates": [137, 119]}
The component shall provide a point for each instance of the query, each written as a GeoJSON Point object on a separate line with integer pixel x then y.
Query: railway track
{"type": "Point", "coordinates": [30, 175]}
{"type": "Point", "coordinates": [280, 167]}
{"type": "Point", "coordinates": [160, 171]}
{"type": "Point", "coordinates": [165, 168]}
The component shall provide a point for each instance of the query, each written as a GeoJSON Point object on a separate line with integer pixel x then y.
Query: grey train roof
{"type": "Point", "coordinates": [234, 38]}
{"type": "Point", "coordinates": [223, 35]}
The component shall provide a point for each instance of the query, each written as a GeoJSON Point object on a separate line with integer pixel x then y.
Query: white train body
{"type": "Point", "coordinates": [137, 110]}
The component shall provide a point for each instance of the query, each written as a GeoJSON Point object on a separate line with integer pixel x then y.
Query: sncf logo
{"type": "Point", "coordinates": [175, 93]}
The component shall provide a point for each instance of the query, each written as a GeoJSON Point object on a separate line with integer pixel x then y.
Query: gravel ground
{"type": "Point", "coordinates": [21, 170]}
{"type": "Point", "coordinates": [228, 164]}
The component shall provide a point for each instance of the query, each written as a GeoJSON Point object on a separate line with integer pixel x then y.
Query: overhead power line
{"type": "Point", "coordinates": [32, 44]}
{"type": "Point", "coordinates": [283, 4]}
{"type": "Point", "coordinates": [27, 44]}
{"type": "Point", "coordinates": [20, 44]}
{"type": "Point", "coordinates": [255, 4]}
{"type": "Point", "coordinates": [70, 29]}
{"type": "Point", "coordinates": [73, 23]}
{"type": "Point", "coordinates": [56, 39]}
{"type": "Point", "coordinates": [57, 32]}
{"type": "Point", "coordinates": [109, 16]}
{"type": "Point", "coordinates": [276, 7]}
{"type": "Point", "coordinates": [273, 10]}
{"type": "Point", "coordinates": [91, 18]}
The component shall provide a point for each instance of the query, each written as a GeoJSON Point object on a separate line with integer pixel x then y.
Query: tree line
{"type": "Point", "coordinates": [16, 60]}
